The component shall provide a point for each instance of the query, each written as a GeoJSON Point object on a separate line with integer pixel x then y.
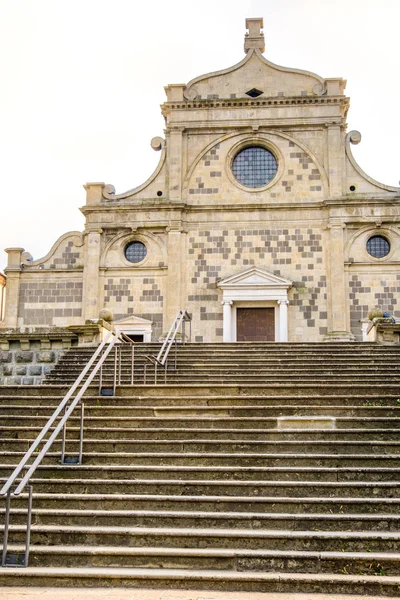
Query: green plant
{"type": "Point", "coordinates": [379, 570]}
{"type": "Point", "coordinates": [345, 571]}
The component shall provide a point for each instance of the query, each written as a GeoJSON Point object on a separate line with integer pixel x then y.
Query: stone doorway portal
{"type": "Point", "coordinates": [255, 324]}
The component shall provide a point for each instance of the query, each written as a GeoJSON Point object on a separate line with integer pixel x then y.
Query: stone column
{"type": "Point", "coordinates": [283, 320]}
{"type": "Point", "coordinates": [91, 275]}
{"type": "Point", "coordinates": [227, 320]}
{"type": "Point", "coordinates": [337, 296]}
{"type": "Point", "coordinates": [13, 272]}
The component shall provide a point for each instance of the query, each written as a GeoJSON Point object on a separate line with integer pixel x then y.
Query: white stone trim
{"type": "Point", "coordinates": [258, 288]}
{"type": "Point", "coordinates": [135, 326]}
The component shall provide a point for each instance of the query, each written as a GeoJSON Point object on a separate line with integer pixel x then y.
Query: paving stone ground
{"type": "Point", "coordinates": [36, 593]}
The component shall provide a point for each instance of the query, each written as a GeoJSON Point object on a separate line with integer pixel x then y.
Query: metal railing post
{"type": "Point", "coordinates": [132, 363]}
{"type": "Point", "coordinates": [6, 527]}
{"type": "Point", "coordinates": [119, 364]}
{"type": "Point", "coordinates": [81, 433]}
{"type": "Point", "coordinates": [115, 370]}
{"type": "Point", "coordinates": [176, 355]}
{"type": "Point", "coordinates": [101, 375]}
{"type": "Point", "coordinates": [63, 439]}
{"type": "Point", "coordinates": [28, 526]}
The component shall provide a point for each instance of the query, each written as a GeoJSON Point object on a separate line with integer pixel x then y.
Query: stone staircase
{"type": "Point", "coordinates": [258, 467]}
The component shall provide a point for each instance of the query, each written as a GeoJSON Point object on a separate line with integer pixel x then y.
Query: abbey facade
{"type": "Point", "coordinates": [257, 220]}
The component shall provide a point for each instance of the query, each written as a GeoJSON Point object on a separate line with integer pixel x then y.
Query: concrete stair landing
{"type": "Point", "coordinates": [257, 467]}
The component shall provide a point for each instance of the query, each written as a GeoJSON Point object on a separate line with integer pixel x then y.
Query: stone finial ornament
{"type": "Point", "coordinates": [106, 315]}
{"type": "Point", "coordinates": [255, 37]}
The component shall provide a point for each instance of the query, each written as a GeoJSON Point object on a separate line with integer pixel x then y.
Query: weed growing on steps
{"type": "Point", "coordinates": [376, 568]}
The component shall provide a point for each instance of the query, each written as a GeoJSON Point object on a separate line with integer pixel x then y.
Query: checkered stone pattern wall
{"type": "Point", "coordinates": [310, 300]}
{"type": "Point", "coordinates": [67, 256]}
{"type": "Point", "coordinates": [212, 173]}
{"type": "Point", "coordinates": [139, 296]}
{"type": "Point", "coordinates": [50, 302]}
{"type": "Point", "coordinates": [118, 296]}
{"type": "Point", "coordinates": [296, 254]}
{"type": "Point", "coordinates": [367, 291]}
{"type": "Point", "coordinates": [300, 176]}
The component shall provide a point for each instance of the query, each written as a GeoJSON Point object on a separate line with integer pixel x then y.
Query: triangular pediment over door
{"type": "Point", "coordinates": [134, 325]}
{"type": "Point", "coordinates": [255, 283]}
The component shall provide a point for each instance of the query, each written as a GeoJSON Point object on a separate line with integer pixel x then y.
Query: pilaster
{"type": "Point", "coordinates": [13, 272]}
{"type": "Point", "coordinates": [335, 158]}
{"type": "Point", "coordinates": [91, 275]}
{"type": "Point", "coordinates": [174, 157]}
{"type": "Point", "coordinates": [337, 290]}
{"type": "Point", "coordinates": [174, 277]}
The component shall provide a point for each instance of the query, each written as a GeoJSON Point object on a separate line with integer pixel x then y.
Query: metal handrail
{"type": "Point", "coordinates": [181, 317]}
{"type": "Point", "coordinates": [11, 488]}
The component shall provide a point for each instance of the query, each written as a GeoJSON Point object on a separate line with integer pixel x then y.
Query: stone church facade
{"type": "Point", "coordinates": [257, 220]}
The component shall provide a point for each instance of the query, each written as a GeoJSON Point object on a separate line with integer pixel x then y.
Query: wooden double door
{"type": "Point", "coordinates": [255, 324]}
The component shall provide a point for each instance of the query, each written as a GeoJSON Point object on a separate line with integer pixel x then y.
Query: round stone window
{"type": "Point", "coordinates": [135, 252]}
{"type": "Point", "coordinates": [254, 167]}
{"type": "Point", "coordinates": [378, 246]}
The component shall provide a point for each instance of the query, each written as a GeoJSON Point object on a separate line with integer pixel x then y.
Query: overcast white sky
{"type": "Point", "coordinates": [82, 81]}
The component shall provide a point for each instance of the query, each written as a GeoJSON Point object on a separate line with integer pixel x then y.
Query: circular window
{"type": "Point", "coordinates": [378, 246]}
{"type": "Point", "coordinates": [135, 252]}
{"type": "Point", "coordinates": [254, 167]}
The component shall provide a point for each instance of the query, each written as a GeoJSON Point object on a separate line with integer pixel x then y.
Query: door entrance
{"type": "Point", "coordinates": [255, 324]}
{"type": "Point", "coordinates": [135, 337]}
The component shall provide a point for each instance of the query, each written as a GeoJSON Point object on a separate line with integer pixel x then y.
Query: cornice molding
{"type": "Point", "coordinates": [243, 102]}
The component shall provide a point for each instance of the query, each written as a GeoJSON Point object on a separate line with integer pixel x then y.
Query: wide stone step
{"type": "Point", "coordinates": [244, 378]}
{"type": "Point", "coordinates": [42, 396]}
{"type": "Point", "coordinates": [271, 539]}
{"type": "Point", "coordinates": [208, 519]}
{"type": "Point", "coordinates": [50, 402]}
{"type": "Point", "coordinates": [232, 504]}
{"type": "Point", "coordinates": [264, 561]}
{"type": "Point", "coordinates": [195, 369]}
{"type": "Point", "coordinates": [226, 446]}
{"type": "Point", "coordinates": [236, 425]}
{"type": "Point", "coordinates": [204, 579]}
{"type": "Point", "coordinates": [218, 459]}
{"type": "Point", "coordinates": [273, 389]}
{"type": "Point", "coordinates": [106, 411]}
{"type": "Point", "coordinates": [165, 433]}
{"type": "Point", "coordinates": [49, 469]}
{"type": "Point", "coordinates": [267, 349]}
{"type": "Point", "coordinates": [205, 390]}
{"type": "Point", "coordinates": [217, 487]}
{"type": "Point", "coordinates": [164, 416]}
